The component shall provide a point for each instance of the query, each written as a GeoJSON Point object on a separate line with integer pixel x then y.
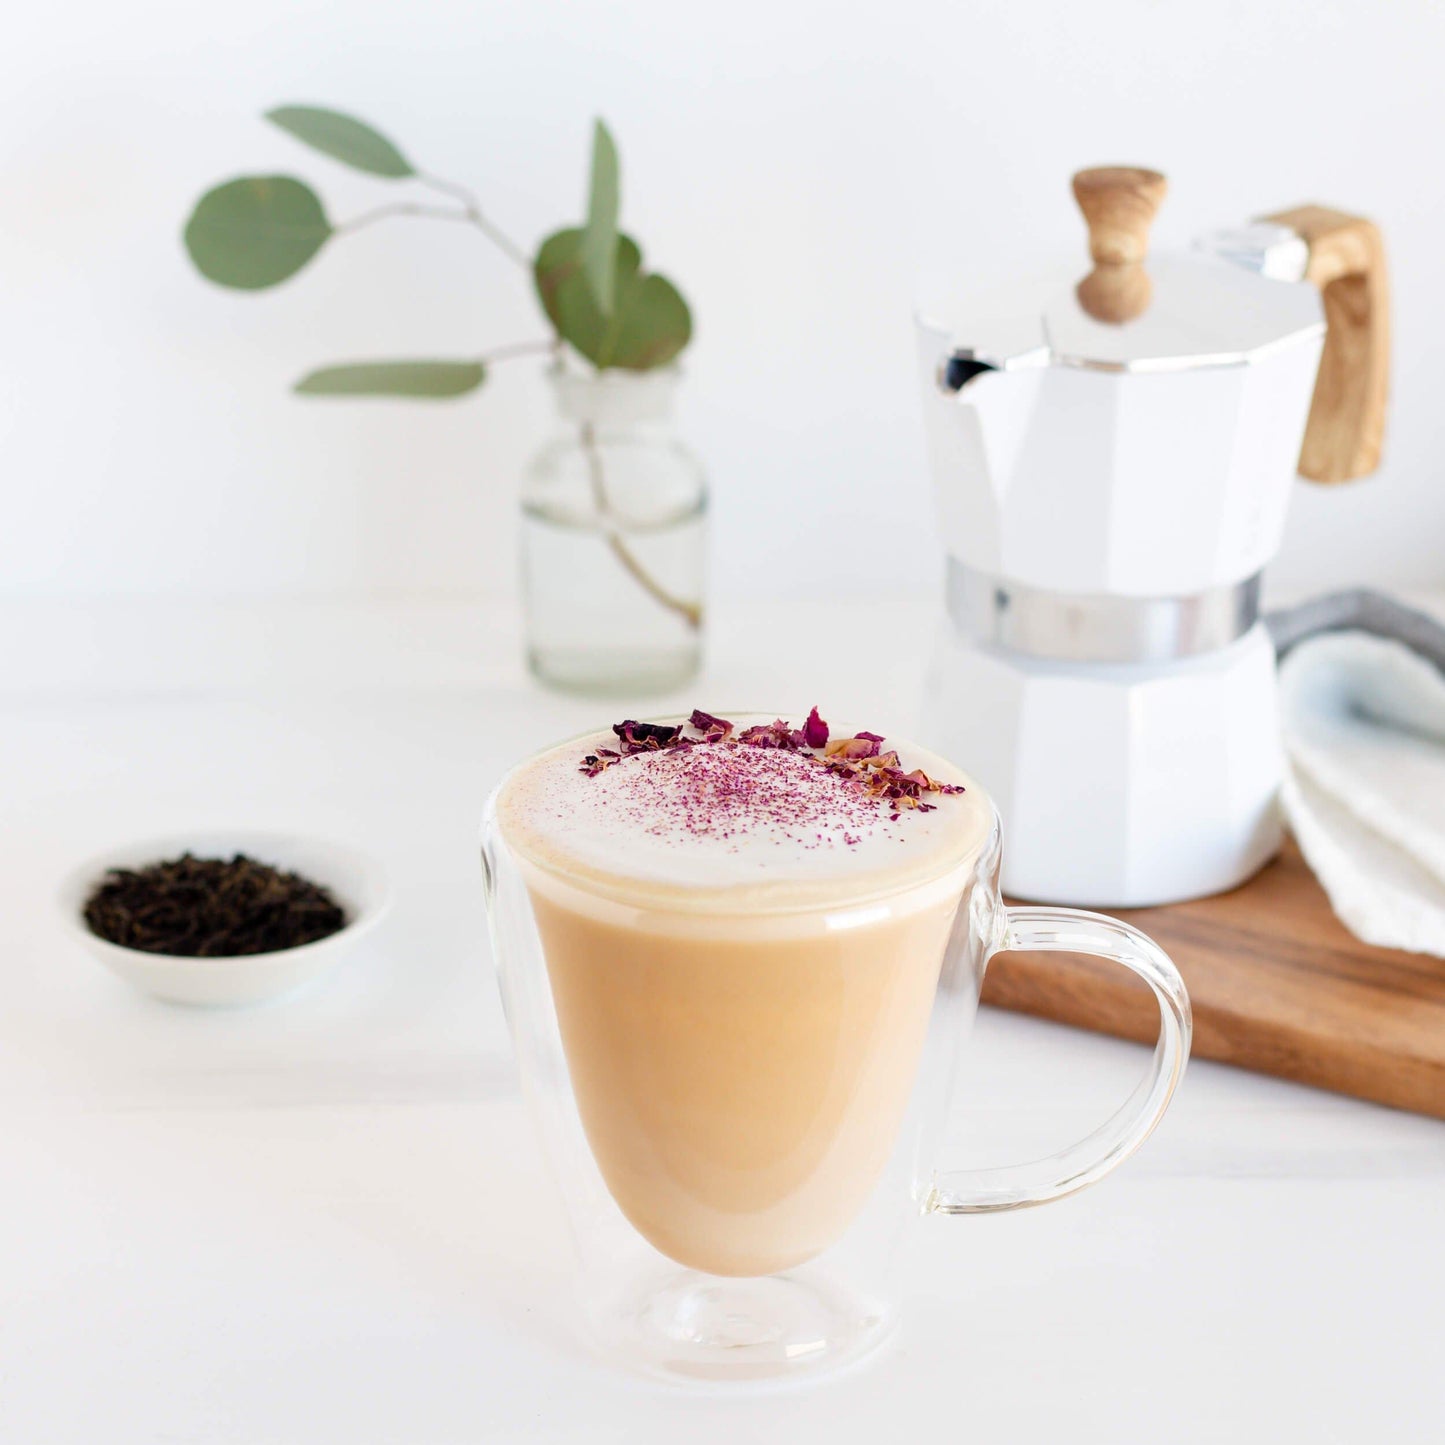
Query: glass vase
{"type": "Point", "coordinates": [614, 511]}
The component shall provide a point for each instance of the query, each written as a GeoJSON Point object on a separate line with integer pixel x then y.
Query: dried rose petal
{"type": "Point", "coordinates": [646, 735]}
{"type": "Point", "coordinates": [715, 729]}
{"type": "Point", "coordinates": [595, 763]}
{"type": "Point", "coordinates": [774, 735]}
{"type": "Point", "coordinates": [815, 731]}
{"type": "Point", "coordinates": [864, 745]}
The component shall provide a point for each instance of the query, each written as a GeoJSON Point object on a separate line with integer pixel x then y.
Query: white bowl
{"type": "Point", "coordinates": [356, 881]}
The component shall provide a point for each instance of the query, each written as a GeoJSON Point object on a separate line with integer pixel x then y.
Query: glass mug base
{"type": "Point", "coordinates": [742, 1093]}
{"type": "Point", "coordinates": [699, 1329]}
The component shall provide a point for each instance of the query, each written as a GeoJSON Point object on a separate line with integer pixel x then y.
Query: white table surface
{"type": "Point", "coordinates": [326, 1220]}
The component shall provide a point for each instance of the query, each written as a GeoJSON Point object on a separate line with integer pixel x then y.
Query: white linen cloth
{"type": "Point", "coordinates": [1364, 792]}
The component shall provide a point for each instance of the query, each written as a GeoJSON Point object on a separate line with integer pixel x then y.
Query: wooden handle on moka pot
{"type": "Point", "coordinates": [1119, 204]}
{"type": "Point", "coordinates": [1347, 416]}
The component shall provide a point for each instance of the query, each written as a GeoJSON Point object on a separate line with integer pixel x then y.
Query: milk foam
{"type": "Point", "coordinates": [733, 818]}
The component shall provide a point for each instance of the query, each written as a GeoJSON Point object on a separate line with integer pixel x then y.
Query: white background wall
{"type": "Point", "coordinates": [799, 168]}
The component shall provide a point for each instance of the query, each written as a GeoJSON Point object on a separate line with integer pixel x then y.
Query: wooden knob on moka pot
{"type": "Point", "coordinates": [1119, 205]}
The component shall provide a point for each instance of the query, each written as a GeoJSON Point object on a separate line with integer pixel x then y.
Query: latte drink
{"type": "Point", "coordinates": [743, 928]}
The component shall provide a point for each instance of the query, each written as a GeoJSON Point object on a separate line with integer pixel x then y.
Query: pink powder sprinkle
{"type": "Point", "coordinates": [728, 788]}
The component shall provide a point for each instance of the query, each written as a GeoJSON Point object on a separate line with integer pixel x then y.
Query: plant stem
{"type": "Point", "coordinates": [469, 215]}
{"type": "Point", "coordinates": [690, 612]}
{"type": "Point", "coordinates": [400, 208]}
{"type": "Point", "coordinates": [516, 348]}
{"type": "Point", "coordinates": [473, 213]}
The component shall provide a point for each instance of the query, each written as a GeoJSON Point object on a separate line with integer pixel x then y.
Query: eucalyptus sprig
{"type": "Point", "coordinates": [255, 232]}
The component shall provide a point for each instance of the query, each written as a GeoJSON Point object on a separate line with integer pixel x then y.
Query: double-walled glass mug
{"type": "Point", "coordinates": [742, 1106]}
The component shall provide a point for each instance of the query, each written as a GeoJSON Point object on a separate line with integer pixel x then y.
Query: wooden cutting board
{"type": "Point", "coordinates": [1278, 985]}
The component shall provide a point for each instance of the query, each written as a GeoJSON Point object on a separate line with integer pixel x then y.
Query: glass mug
{"type": "Point", "coordinates": [742, 1110]}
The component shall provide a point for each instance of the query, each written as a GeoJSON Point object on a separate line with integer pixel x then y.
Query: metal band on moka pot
{"type": "Point", "coordinates": [1097, 627]}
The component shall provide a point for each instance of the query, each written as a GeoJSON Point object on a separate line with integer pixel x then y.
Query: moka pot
{"type": "Point", "coordinates": [1112, 473]}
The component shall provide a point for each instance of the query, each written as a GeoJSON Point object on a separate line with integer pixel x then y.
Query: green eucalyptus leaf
{"type": "Point", "coordinates": [649, 324]}
{"type": "Point", "coordinates": [343, 138]}
{"type": "Point", "coordinates": [256, 231]}
{"type": "Point", "coordinates": [652, 324]}
{"type": "Point", "coordinates": [433, 379]}
{"type": "Point", "coordinates": [567, 298]}
{"type": "Point", "coordinates": [599, 236]}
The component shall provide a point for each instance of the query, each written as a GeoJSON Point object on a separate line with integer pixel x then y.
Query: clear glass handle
{"type": "Point", "coordinates": [1066, 930]}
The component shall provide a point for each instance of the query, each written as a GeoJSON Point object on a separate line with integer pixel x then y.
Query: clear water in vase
{"type": "Point", "coordinates": [594, 625]}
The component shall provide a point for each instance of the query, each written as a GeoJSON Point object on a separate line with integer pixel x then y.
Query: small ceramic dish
{"type": "Point", "coordinates": [356, 881]}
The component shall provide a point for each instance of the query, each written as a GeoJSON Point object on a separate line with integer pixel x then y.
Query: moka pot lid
{"type": "Point", "coordinates": [1237, 295]}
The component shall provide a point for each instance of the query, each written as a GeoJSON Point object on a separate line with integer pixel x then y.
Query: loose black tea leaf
{"type": "Point", "coordinates": [211, 908]}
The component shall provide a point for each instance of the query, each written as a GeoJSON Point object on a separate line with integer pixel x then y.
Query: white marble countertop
{"type": "Point", "coordinates": [326, 1220]}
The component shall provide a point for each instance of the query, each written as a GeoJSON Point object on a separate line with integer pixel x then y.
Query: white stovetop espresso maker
{"type": "Point", "coordinates": [1113, 462]}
